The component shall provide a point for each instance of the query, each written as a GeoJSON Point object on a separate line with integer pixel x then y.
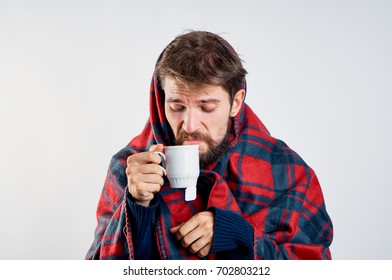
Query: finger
{"type": "Point", "coordinates": [143, 189]}
{"type": "Point", "coordinates": [156, 148]}
{"type": "Point", "coordinates": [174, 229]}
{"type": "Point", "coordinates": [151, 168]}
{"type": "Point", "coordinates": [204, 251]}
{"type": "Point", "coordinates": [191, 237]}
{"type": "Point", "coordinates": [152, 179]}
{"type": "Point", "coordinates": [198, 245]}
{"type": "Point", "coordinates": [203, 230]}
{"type": "Point", "coordinates": [143, 158]}
{"type": "Point", "coordinates": [196, 236]}
{"type": "Point", "coordinates": [136, 171]}
{"type": "Point", "coordinates": [147, 188]}
{"type": "Point", "coordinates": [185, 228]}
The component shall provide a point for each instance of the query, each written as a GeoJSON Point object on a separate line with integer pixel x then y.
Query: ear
{"type": "Point", "coordinates": [237, 102]}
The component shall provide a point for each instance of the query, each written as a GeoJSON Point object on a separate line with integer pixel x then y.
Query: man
{"type": "Point", "coordinates": [256, 198]}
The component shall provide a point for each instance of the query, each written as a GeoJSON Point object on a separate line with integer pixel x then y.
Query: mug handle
{"type": "Point", "coordinates": [163, 157]}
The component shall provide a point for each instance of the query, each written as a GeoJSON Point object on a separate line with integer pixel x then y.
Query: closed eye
{"type": "Point", "coordinates": [208, 105]}
{"type": "Point", "coordinates": [177, 108]}
{"type": "Point", "coordinates": [208, 109]}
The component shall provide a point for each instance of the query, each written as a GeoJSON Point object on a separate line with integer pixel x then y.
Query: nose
{"type": "Point", "coordinates": [191, 122]}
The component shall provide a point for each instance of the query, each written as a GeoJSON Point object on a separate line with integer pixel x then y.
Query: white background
{"type": "Point", "coordinates": [74, 84]}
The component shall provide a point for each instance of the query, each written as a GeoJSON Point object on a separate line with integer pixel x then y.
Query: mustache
{"type": "Point", "coordinates": [183, 136]}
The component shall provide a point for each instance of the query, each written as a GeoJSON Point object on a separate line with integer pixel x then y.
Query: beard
{"type": "Point", "coordinates": [215, 150]}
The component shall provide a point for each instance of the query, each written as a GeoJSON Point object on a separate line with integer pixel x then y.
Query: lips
{"type": "Point", "coordinates": [191, 141]}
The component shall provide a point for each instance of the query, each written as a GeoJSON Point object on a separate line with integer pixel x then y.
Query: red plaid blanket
{"type": "Point", "coordinates": [260, 177]}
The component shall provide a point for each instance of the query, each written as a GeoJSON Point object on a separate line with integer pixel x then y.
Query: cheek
{"type": "Point", "coordinates": [217, 126]}
{"type": "Point", "coordinates": [173, 122]}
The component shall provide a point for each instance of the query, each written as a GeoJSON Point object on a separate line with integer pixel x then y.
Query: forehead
{"type": "Point", "coordinates": [175, 89]}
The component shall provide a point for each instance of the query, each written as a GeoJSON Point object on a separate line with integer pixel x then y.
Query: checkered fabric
{"type": "Point", "coordinates": [260, 178]}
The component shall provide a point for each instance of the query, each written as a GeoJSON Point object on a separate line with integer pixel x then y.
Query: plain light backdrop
{"type": "Point", "coordinates": [74, 84]}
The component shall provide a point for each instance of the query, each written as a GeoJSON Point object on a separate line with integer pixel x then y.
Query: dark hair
{"type": "Point", "coordinates": [201, 58]}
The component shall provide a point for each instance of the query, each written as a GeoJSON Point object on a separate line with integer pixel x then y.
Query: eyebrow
{"type": "Point", "coordinates": [203, 101]}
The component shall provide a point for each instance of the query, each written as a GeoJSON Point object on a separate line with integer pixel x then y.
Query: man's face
{"type": "Point", "coordinates": [197, 116]}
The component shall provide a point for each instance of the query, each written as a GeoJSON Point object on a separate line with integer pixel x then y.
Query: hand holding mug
{"type": "Point", "coordinates": [144, 175]}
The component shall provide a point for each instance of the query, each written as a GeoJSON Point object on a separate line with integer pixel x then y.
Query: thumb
{"type": "Point", "coordinates": [156, 148]}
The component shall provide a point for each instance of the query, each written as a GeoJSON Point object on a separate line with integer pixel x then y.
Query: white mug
{"type": "Point", "coordinates": [181, 166]}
